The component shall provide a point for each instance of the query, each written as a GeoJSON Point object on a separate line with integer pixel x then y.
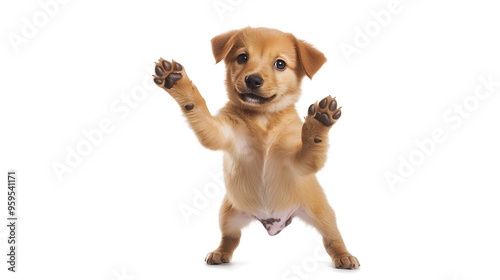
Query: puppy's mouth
{"type": "Point", "coordinates": [255, 98]}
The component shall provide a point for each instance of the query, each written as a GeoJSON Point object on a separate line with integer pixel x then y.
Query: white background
{"type": "Point", "coordinates": [117, 215]}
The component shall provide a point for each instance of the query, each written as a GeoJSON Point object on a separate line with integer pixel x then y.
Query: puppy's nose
{"type": "Point", "coordinates": [254, 81]}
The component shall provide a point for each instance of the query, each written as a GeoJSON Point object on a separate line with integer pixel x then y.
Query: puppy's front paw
{"type": "Point", "coordinates": [320, 117]}
{"type": "Point", "coordinates": [346, 262]}
{"type": "Point", "coordinates": [216, 257]}
{"type": "Point", "coordinates": [326, 111]}
{"type": "Point", "coordinates": [167, 73]}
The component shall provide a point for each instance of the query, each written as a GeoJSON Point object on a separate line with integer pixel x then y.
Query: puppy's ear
{"type": "Point", "coordinates": [222, 44]}
{"type": "Point", "coordinates": [310, 58]}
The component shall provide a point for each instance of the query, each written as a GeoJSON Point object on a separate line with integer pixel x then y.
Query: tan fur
{"type": "Point", "coordinates": [270, 155]}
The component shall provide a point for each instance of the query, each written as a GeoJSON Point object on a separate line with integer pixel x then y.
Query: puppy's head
{"type": "Point", "coordinates": [264, 67]}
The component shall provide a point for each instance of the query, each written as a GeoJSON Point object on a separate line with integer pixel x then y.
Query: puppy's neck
{"type": "Point", "coordinates": [266, 120]}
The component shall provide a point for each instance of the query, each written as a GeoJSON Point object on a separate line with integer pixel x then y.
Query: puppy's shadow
{"type": "Point", "coordinates": [337, 270]}
{"type": "Point", "coordinates": [229, 266]}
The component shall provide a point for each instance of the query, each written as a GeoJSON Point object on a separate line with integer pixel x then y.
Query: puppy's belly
{"type": "Point", "coordinates": [274, 223]}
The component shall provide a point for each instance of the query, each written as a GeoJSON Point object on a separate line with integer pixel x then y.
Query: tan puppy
{"type": "Point", "coordinates": [270, 155]}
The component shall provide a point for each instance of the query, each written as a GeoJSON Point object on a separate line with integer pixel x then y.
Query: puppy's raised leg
{"type": "Point", "coordinates": [230, 221]}
{"type": "Point", "coordinates": [319, 214]}
{"type": "Point", "coordinates": [172, 77]}
{"type": "Point", "coordinates": [321, 116]}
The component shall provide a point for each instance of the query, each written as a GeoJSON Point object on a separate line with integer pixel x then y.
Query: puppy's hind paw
{"type": "Point", "coordinates": [346, 262]}
{"type": "Point", "coordinates": [217, 258]}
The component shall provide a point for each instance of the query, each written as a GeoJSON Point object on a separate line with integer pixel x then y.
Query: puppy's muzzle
{"type": "Point", "coordinates": [253, 83]}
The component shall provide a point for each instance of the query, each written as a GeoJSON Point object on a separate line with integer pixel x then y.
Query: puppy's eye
{"type": "Point", "coordinates": [280, 64]}
{"type": "Point", "coordinates": [242, 58]}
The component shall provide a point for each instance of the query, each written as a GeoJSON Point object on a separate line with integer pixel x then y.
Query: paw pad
{"type": "Point", "coordinates": [325, 111]}
{"type": "Point", "coordinates": [167, 73]}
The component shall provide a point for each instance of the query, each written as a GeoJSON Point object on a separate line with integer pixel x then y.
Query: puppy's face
{"type": "Point", "coordinates": [264, 67]}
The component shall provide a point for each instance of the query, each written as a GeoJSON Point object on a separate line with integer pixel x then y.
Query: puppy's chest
{"type": "Point", "coordinates": [252, 148]}
{"type": "Point", "coordinates": [256, 168]}
{"type": "Point", "coordinates": [257, 140]}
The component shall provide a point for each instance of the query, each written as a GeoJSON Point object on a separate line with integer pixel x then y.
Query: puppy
{"type": "Point", "coordinates": [270, 155]}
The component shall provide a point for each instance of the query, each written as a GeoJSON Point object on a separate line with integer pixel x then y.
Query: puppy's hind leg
{"type": "Point", "coordinates": [319, 214]}
{"type": "Point", "coordinates": [230, 221]}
